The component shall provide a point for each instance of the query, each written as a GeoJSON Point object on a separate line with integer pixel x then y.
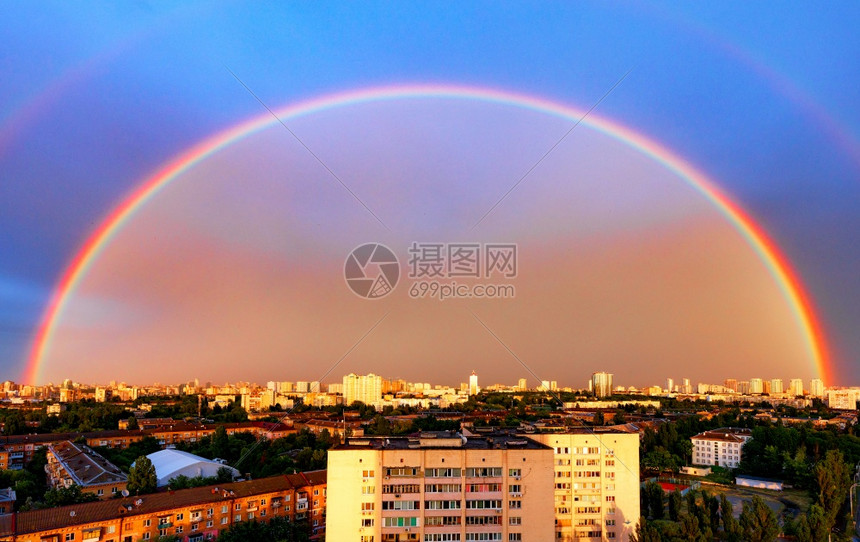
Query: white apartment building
{"type": "Point", "coordinates": [441, 487]}
{"type": "Point", "coordinates": [364, 388]}
{"type": "Point", "coordinates": [816, 387]}
{"type": "Point", "coordinates": [596, 488]}
{"type": "Point", "coordinates": [845, 399]}
{"type": "Point", "coordinates": [795, 387]}
{"type": "Point", "coordinates": [720, 447]}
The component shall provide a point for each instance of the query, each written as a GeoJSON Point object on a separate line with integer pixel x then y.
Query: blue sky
{"type": "Point", "coordinates": [762, 97]}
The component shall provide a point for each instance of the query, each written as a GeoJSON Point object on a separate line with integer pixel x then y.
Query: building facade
{"type": "Point", "coordinates": [439, 487]}
{"type": "Point", "coordinates": [596, 483]}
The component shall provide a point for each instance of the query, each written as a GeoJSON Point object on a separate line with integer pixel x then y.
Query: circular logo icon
{"type": "Point", "coordinates": [371, 270]}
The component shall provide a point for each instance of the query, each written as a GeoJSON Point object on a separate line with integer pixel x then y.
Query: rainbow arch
{"type": "Point", "coordinates": [768, 253]}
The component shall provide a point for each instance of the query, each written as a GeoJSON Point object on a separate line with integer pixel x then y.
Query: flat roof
{"type": "Point", "coordinates": [443, 440]}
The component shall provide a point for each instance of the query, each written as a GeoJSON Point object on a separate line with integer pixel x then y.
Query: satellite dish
{"type": "Point", "coordinates": [125, 493]}
{"type": "Point", "coordinates": [72, 513]}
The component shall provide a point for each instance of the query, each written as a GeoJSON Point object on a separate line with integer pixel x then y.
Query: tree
{"type": "Point", "coordinates": [655, 499]}
{"type": "Point", "coordinates": [674, 505]}
{"type": "Point", "coordinates": [817, 523]}
{"type": "Point", "coordinates": [132, 423]}
{"type": "Point", "coordinates": [758, 522]}
{"type": "Point", "coordinates": [731, 528]}
{"type": "Point", "coordinates": [832, 479]}
{"type": "Point", "coordinates": [801, 530]}
{"type": "Point", "coordinates": [645, 532]}
{"type": "Point", "coordinates": [142, 478]}
{"type": "Point", "coordinates": [220, 442]}
{"type": "Point", "coordinates": [68, 495]}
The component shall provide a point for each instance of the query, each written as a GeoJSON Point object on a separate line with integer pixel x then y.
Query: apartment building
{"type": "Point", "coordinates": [77, 464]}
{"type": "Point", "coordinates": [192, 514]}
{"type": "Point", "coordinates": [720, 447]}
{"type": "Point", "coordinates": [596, 483]}
{"type": "Point", "coordinates": [441, 486]}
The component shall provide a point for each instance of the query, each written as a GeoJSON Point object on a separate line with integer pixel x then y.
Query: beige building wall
{"type": "Point", "coordinates": [596, 484]}
{"type": "Point", "coordinates": [395, 494]}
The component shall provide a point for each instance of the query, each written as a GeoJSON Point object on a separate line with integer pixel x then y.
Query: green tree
{"type": "Point", "coordinates": [645, 532]}
{"type": "Point", "coordinates": [675, 505]}
{"type": "Point", "coordinates": [220, 442]}
{"type": "Point", "coordinates": [132, 423]}
{"type": "Point", "coordinates": [832, 478]}
{"type": "Point", "coordinates": [758, 522]}
{"type": "Point", "coordinates": [802, 533]}
{"type": "Point", "coordinates": [142, 478]}
{"type": "Point", "coordinates": [655, 499]}
{"type": "Point", "coordinates": [731, 529]}
{"type": "Point", "coordinates": [67, 495]}
{"type": "Point", "coordinates": [817, 523]}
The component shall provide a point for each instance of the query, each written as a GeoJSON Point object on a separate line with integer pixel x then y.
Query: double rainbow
{"type": "Point", "coordinates": [752, 233]}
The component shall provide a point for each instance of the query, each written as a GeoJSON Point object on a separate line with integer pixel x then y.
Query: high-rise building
{"type": "Point", "coordinates": [756, 386]}
{"type": "Point", "coordinates": [670, 385]}
{"type": "Point", "coordinates": [816, 387]}
{"type": "Point", "coordinates": [765, 386]}
{"type": "Point", "coordinates": [776, 386]}
{"type": "Point", "coordinates": [366, 389]}
{"type": "Point", "coordinates": [731, 383]}
{"type": "Point", "coordinates": [441, 486]}
{"type": "Point", "coordinates": [602, 384]}
{"type": "Point", "coordinates": [596, 483]}
{"type": "Point", "coordinates": [473, 384]}
{"type": "Point", "coordinates": [523, 384]}
{"type": "Point", "coordinates": [687, 387]}
{"type": "Point", "coordinates": [795, 387]}
{"type": "Point", "coordinates": [743, 387]}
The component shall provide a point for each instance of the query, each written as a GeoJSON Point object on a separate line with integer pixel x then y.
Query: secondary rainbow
{"type": "Point", "coordinates": [776, 264]}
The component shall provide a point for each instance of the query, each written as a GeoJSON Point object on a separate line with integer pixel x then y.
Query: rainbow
{"type": "Point", "coordinates": [775, 263]}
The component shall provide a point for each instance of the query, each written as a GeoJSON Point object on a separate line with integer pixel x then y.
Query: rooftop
{"type": "Point", "coordinates": [85, 466]}
{"type": "Point", "coordinates": [443, 440]}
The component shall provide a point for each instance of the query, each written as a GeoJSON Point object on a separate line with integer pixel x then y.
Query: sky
{"type": "Point", "coordinates": [234, 269]}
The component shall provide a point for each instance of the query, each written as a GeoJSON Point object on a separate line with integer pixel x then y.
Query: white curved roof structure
{"type": "Point", "coordinates": [172, 463]}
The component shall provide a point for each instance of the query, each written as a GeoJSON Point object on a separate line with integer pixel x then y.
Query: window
{"type": "Point", "coordinates": [147, 522]}
{"type": "Point", "coordinates": [180, 517]}
{"type": "Point", "coordinates": [146, 536]}
{"type": "Point", "coordinates": [367, 506]}
{"type": "Point", "coordinates": [70, 536]}
{"type": "Point", "coordinates": [515, 504]}
{"type": "Point", "coordinates": [515, 536]}
{"type": "Point", "coordinates": [178, 529]}
{"type": "Point", "coordinates": [515, 472]}
{"type": "Point", "coordinates": [224, 520]}
{"type": "Point", "coordinates": [100, 492]}
{"type": "Point", "coordinates": [515, 520]}
{"type": "Point", "coordinates": [224, 509]}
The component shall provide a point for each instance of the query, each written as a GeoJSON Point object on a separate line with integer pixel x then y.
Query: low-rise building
{"type": "Point", "coordinates": [195, 514]}
{"type": "Point", "coordinates": [720, 447]}
{"type": "Point", "coordinates": [77, 464]}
